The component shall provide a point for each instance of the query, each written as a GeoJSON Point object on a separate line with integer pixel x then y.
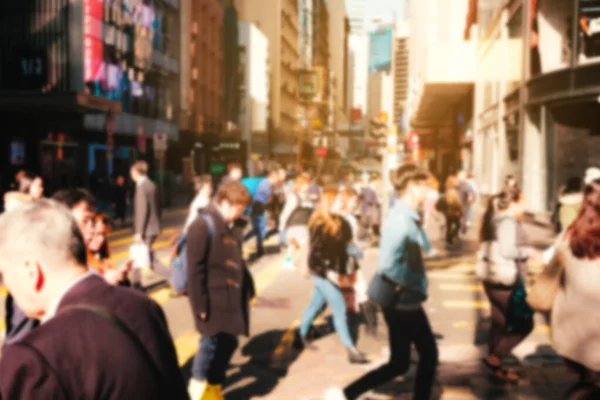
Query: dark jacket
{"type": "Point", "coordinates": [79, 355]}
{"type": "Point", "coordinates": [222, 287]}
{"type": "Point", "coordinates": [328, 252]}
{"type": "Point", "coordinates": [17, 323]}
{"type": "Point", "coordinates": [147, 209]}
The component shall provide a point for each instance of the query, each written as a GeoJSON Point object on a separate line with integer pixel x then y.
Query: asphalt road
{"type": "Point", "coordinates": [268, 365]}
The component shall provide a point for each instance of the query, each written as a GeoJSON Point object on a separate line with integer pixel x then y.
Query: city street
{"type": "Point", "coordinates": [268, 364]}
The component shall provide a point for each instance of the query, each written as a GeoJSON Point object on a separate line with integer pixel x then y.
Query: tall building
{"type": "Point", "coordinates": [337, 51]}
{"type": "Point", "coordinates": [441, 85]}
{"type": "Point", "coordinates": [306, 34]}
{"type": "Point", "coordinates": [202, 126]}
{"type": "Point", "coordinates": [85, 87]}
{"type": "Point", "coordinates": [255, 85]}
{"type": "Point", "coordinates": [320, 58]}
{"type": "Point", "coordinates": [232, 71]}
{"type": "Point", "coordinates": [279, 21]}
{"type": "Point", "coordinates": [537, 117]}
{"type": "Point", "coordinates": [401, 79]}
{"type": "Point", "coordinates": [356, 10]}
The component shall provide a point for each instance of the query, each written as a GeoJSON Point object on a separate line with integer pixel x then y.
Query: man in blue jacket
{"type": "Point", "coordinates": [401, 263]}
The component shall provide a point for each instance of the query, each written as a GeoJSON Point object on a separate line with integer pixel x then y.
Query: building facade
{"type": "Point", "coordinates": [254, 50]}
{"type": "Point", "coordinates": [279, 21]}
{"type": "Point", "coordinates": [538, 119]}
{"type": "Point", "coordinates": [84, 87]}
{"type": "Point", "coordinates": [442, 71]}
{"type": "Point", "coordinates": [337, 51]}
{"type": "Point", "coordinates": [401, 80]}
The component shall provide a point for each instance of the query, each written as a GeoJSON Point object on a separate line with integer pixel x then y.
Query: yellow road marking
{"type": "Point", "coordinates": [451, 276]}
{"type": "Point", "coordinates": [129, 240]}
{"type": "Point", "coordinates": [161, 296]}
{"type": "Point", "coordinates": [466, 305]}
{"type": "Point", "coordinates": [122, 255]}
{"type": "Point", "coordinates": [187, 343]}
{"type": "Point", "coordinates": [459, 287]}
{"type": "Point", "coordinates": [168, 212]}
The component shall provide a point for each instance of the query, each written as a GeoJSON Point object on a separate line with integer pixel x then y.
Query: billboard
{"type": "Point", "coordinates": [380, 52]}
{"type": "Point", "coordinates": [118, 49]}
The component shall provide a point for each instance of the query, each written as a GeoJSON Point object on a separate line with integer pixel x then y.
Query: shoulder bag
{"type": "Point", "coordinates": [384, 290]}
{"type": "Point", "coordinates": [543, 293]}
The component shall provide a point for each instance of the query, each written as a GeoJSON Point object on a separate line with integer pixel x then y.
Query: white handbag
{"type": "Point", "coordinates": [492, 267]}
{"type": "Point", "coordinates": [139, 253]}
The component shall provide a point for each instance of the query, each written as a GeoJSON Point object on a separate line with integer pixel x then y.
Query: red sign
{"type": "Point", "coordinates": [93, 47]}
{"type": "Point", "coordinates": [322, 152]}
{"type": "Point", "coordinates": [355, 115]}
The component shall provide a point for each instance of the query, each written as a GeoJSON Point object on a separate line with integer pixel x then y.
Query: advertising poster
{"type": "Point", "coordinates": [380, 53]}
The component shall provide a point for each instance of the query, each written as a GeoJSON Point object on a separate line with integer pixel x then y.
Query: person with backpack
{"type": "Point", "coordinates": [204, 189]}
{"type": "Point", "coordinates": [220, 288]}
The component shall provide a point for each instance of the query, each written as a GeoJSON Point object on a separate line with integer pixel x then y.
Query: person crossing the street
{"type": "Point", "coordinates": [220, 288]}
{"type": "Point", "coordinates": [95, 341]}
{"type": "Point", "coordinates": [330, 235]}
{"type": "Point", "coordinates": [146, 219]}
{"type": "Point", "coordinates": [401, 266]}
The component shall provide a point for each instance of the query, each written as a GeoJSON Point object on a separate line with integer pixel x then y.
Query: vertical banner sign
{"type": "Point", "coordinates": [381, 46]}
{"type": "Point", "coordinates": [60, 142]}
{"type": "Point", "coordinates": [93, 47]}
{"type": "Point", "coordinates": [141, 138]}
{"type": "Point", "coordinates": [110, 135]}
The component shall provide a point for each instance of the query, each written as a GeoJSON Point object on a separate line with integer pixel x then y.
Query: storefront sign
{"type": "Point", "coordinates": [308, 84]}
{"type": "Point", "coordinates": [17, 152]}
{"type": "Point", "coordinates": [321, 152]}
{"type": "Point", "coordinates": [92, 39]}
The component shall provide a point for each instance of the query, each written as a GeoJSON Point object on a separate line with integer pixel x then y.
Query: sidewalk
{"type": "Point", "coordinates": [459, 315]}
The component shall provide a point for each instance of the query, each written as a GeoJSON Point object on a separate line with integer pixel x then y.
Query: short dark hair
{"type": "Point", "coordinates": [71, 197]}
{"type": "Point", "coordinates": [407, 174]}
{"type": "Point", "coordinates": [272, 168]}
{"type": "Point", "coordinates": [26, 181]}
{"type": "Point", "coordinates": [234, 193]}
{"type": "Point", "coordinates": [233, 165]}
{"type": "Point", "coordinates": [141, 167]}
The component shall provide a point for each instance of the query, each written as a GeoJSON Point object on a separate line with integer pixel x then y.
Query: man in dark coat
{"type": "Point", "coordinates": [146, 218]}
{"type": "Point", "coordinates": [219, 287]}
{"type": "Point", "coordinates": [95, 341]}
{"type": "Point", "coordinates": [82, 205]}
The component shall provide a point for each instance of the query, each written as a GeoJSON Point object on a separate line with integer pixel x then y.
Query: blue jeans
{"type": "Point", "coordinates": [325, 291]}
{"type": "Point", "coordinates": [259, 229]}
{"type": "Point", "coordinates": [212, 359]}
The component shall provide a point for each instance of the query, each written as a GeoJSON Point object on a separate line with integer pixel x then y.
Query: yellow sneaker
{"type": "Point", "coordinates": [197, 389]}
{"type": "Point", "coordinates": [212, 392]}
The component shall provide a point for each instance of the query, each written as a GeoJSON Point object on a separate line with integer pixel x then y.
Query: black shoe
{"type": "Point", "coordinates": [306, 345]}
{"type": "Point", "coordinates": [355, 356]}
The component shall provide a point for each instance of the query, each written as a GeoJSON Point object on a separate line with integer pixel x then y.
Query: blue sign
{"type": "Point", "coordinates": [380, 53]}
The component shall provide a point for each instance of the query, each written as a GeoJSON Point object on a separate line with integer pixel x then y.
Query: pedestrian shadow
{"type": "Point", "coordinates": [268, 363]}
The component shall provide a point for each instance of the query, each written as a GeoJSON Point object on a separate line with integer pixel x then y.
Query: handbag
{"type": "Point", "coordinates": [384, 291]}
{"type": "Point", "coordinates": [543, 293]}
{"type": "Point", "coordinates": [139, 253]}
{"type": "Point", "coordinates": [519, 317]}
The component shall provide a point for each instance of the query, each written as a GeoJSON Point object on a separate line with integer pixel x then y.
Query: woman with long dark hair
{"type": "Point", "coordinates": [574, 273]}
{"type": "Point", "coordinates": [505, 244]}
{"type": "Point", "coordinates": [330, 235]}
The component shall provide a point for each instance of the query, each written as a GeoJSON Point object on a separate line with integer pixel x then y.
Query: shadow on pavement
{"type": "Point", "coordinates": [263, 371]}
